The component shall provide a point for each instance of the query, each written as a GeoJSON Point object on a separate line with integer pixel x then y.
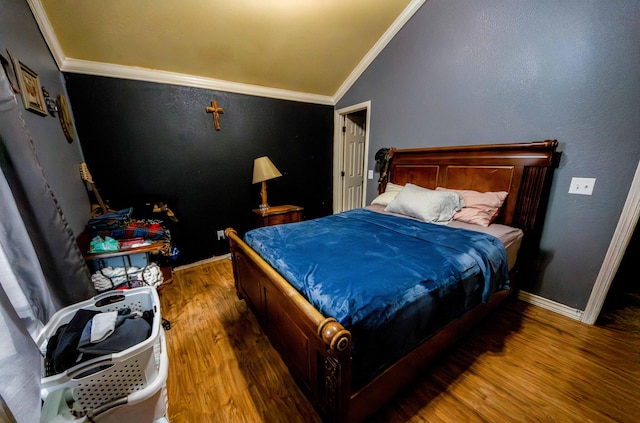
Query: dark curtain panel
{"type": "Point", "coordinates": [60, 259]}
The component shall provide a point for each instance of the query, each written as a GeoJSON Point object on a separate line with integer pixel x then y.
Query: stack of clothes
{"type": "Point", "coordinates": [119, 230]}
{"type": "Point", "coordinates": [90, 334]}
{"type": "Point", "coordinates": [120, 225]}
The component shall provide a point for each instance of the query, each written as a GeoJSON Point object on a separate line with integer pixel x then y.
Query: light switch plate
{"type": "Point", "coordinates": [370, 174]}
{"type": "Point", "coordinates": [582, 186]}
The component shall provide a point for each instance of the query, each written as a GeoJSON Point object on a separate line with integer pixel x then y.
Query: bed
{"type": "Point", "coordinates": [347, 319]}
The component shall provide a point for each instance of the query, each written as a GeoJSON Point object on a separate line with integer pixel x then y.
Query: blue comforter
{"type": "Point", "coordinates": [391, 281]}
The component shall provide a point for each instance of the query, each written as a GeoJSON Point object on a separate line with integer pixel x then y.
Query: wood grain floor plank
{"type": "Point", "coordinates": [221, 366]}
{"type": "Point", "coordinates": [523, 364]}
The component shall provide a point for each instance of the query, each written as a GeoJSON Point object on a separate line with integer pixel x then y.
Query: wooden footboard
{"type": "Point", "coordinates": [316, 349]}
{"type": "Point", "coordinates": [366, 401]}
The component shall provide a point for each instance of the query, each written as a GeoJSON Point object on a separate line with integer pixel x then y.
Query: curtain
{"type": "Point", "coordinates": [30, 297]}
{"type": "Point", "coordinates": [60, 260]}
{"type": "Point", "coordinates": [20, 363]}
{"type": "Point", "coordinates": [41, 267]}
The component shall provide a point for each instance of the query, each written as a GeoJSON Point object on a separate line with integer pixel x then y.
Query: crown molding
{"type": "Point", "coordinates": [163, 77]}
{"type": "Point", "coordinates": [47, 31]}
{"type": "Point", "coordinates": [397, 25]}
{"type": "Point", "coordinates": [66, 64]}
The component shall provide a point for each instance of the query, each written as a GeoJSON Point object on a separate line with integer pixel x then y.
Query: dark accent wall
{"type": "Point", "coordinates": [154, 142]}
{"type": "Point", "coordinates": [495, 71]}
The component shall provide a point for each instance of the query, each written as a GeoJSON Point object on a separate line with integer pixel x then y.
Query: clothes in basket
{"type": "Point", "coordinates": [71, 344]}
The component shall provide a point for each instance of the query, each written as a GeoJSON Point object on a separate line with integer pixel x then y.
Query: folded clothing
{"type": "Point", "coordinates": [99, 245]}
{"type": "Point", "coordinates": [100, 327]}
{"type": "Point", "coordinates": [72, 343]}
{"type": "Point", "coordinates": [133, 229]}
{"type": "Point", "coordinates": [111, 220]}
{"type": "Point", "coordinates": [128, 330]}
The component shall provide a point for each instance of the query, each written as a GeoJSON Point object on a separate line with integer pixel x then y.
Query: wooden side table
{"type": "Point", "coordinates": [277, 215]}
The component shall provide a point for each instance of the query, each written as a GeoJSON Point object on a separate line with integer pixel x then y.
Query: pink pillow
{"type": "Point", "coordinates": [480, 208]}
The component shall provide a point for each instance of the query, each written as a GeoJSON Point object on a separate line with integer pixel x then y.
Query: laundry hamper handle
{"type": "Point", "coordinates": [108, 298]}
{"type": "Point", "coordinates": [106, 407]}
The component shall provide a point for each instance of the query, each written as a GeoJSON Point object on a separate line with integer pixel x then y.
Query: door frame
{"type": "Point", "coordinates": [338, 152]}
{"type": "Point", "coordinates": [621, 238]}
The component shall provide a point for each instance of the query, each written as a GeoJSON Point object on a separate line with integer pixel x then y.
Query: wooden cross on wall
{"type": "Point", "coordinates": [217, 111]}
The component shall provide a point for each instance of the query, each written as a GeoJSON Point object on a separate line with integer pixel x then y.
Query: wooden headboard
{"type": "Point", "coordinates": [524, 170]}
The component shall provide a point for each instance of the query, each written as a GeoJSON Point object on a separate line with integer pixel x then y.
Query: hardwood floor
{"type": "Point", "coordinates": [624, 315]}
{"type": "Point", "coordinates": [524, 364]}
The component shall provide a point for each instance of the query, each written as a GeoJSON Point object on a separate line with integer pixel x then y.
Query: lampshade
{"type": "Point", "coordinates": [264, 169]}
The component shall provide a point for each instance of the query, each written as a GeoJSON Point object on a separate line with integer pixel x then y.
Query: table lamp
{"type": "Point", "coordinates": [263, 170]}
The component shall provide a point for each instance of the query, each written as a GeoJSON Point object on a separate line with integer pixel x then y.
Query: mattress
{"type": "Point", "coordinates": [511, 237]}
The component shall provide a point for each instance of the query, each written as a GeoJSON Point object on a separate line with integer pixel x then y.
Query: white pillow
{"type": "Point", "coordinates": [426, 204]}
{"type": "Point", "coordinates": [390, 192]}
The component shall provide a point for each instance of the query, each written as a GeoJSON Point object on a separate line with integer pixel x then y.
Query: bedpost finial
{"type": "Point", "coordinates": [334, 335]}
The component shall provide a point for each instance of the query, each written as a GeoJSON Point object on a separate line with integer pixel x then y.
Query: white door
{"type": "Point", "coordinates": [353, 173]}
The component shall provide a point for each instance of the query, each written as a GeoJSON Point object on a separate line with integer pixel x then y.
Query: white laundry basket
{"type": "Point", "coordinates": [132, 376]}
{"type": "Point", "coordinates": [145, 405]}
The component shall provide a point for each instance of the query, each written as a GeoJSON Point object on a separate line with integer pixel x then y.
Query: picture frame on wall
{"type": "Point", "coordinates": [7, 65]}
{"type": "Point", "coordinates": [30, 89]}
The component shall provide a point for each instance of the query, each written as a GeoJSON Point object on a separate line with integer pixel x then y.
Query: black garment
{"type": "Point", "coordinates": [129, 330]}
{"type": "Point", "coordinates": [65, 354]}
{"type": "Point", "coordinates": [63, 351]}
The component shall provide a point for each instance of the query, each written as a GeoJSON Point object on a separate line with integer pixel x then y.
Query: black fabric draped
{"type": "Point", "coordinates": [60, 258]}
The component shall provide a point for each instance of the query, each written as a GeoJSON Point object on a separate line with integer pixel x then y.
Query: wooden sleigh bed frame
{"type": "Point", "coordinates": [317, 349]}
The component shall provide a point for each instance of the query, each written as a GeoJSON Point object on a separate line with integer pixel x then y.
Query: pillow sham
{"type": "Point", "coordinates": [481, 208]}
{"type": "Point", "coordinates": [390, 192]}
{"type": "Point", "coordinates": [426, 204]}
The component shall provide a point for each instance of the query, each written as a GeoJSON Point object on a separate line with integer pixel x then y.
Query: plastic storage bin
{"type": "Point", "coordinates": [132, 376]}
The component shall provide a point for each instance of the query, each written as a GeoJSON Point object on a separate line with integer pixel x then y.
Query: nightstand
{"type": "Point", "coordinates": [277, 215]}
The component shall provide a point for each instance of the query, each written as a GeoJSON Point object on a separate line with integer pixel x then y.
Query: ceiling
{"type": "Point", "coordinates": [309, 50]}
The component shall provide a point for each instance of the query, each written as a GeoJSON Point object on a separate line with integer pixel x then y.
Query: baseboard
{"type": "Point", "coordinates": [205, 261]}
{"type": "Point", "coordinates": [547, 304]}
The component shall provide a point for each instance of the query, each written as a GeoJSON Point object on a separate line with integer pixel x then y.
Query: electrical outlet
{"type": "Point", "coordinates": [220, 234]}
{"type": "Point", "coordinates": [582, 186]}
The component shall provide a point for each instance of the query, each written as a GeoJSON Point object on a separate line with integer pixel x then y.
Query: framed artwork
{"type": "Point", "coordinates": [65, 118]}
{"type": "Point", "coordinates": [30, 88]}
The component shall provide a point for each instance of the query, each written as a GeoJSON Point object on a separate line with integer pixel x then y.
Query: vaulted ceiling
{"type": "Point", "coordinates": [309, 50]}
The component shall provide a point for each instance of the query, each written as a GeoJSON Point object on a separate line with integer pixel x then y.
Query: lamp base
{"type": "Point", "coordinates": [263, 196]}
